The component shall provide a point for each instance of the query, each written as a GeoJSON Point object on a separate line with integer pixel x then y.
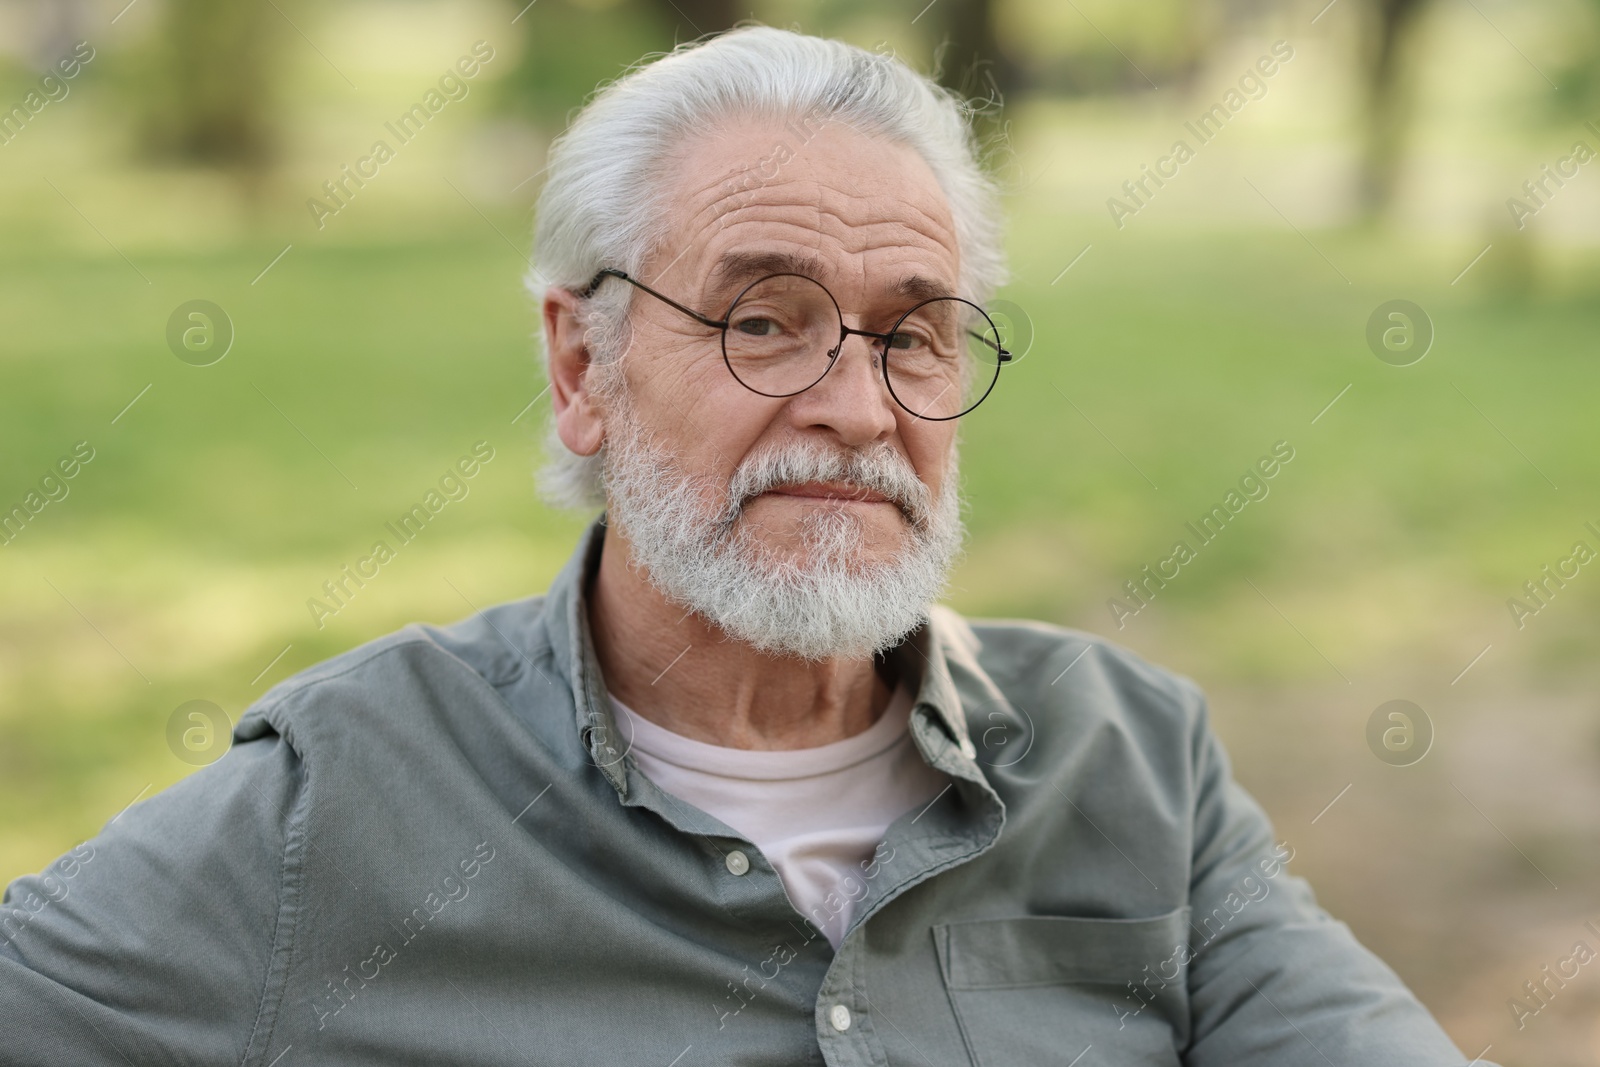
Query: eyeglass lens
{"type": "Point", "coordinates": [784, 331]}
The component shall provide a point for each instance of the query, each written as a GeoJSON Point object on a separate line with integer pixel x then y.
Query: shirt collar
{"type": "Point", "coordinates": [923, 659]}
{"type": "Point", "coordinates": [567, 614]}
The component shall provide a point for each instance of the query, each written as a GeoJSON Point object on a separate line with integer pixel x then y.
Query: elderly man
{"type": "Point", "coordinates": [734, 790]}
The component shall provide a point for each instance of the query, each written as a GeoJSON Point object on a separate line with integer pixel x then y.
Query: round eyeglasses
{"type": "Point", "coordinates": [784, 332]}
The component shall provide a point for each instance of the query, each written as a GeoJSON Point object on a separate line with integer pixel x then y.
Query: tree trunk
{"type": "Point", "coordinates": [1388, 104]}
{"type": "Point", "coordinates": [694, 18]}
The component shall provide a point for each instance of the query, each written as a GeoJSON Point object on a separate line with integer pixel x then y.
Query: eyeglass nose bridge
{"type": "Point", "coordinates": [879, 353]}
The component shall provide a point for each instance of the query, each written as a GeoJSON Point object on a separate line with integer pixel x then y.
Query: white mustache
{"type": "Point", "coordinates": [883, 471]}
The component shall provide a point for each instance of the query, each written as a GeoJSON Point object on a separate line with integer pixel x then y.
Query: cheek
{"type": "Point", "coordinates": [667, 360]}
{"type": "Point", "coordinates": [931, 449]}
{"type": "Point", "coordinates": [664, 381]}
{"type": "Point", "coordinates": [692, 405]}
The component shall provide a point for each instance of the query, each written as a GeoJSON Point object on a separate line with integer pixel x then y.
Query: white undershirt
{"type": "Point", "coordinates": [817, 814]}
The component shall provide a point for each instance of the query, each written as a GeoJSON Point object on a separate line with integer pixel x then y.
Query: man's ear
{"type": "Point", "coordinates": [577, 417]}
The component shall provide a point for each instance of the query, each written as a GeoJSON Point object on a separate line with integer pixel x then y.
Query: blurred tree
{"type": "Point", "coordinates": [970, 58]}
{"type": "Point", "coordinates": [63, 24]}
{"type": "Point", "coordinates": [1095, 47]}
{"type": "Point", "coordinates": [1387, 100]}
{"type": "Point", "coordinates": [971, 61]}
{"type": "Point", "coordinates": [209, 85]}
{"type": "Point", "coordinates": [695, 18]}
{"type": "Point", "coordinates": [570, 51]}
{"type": "Point", "coordinates": [1578, 81]}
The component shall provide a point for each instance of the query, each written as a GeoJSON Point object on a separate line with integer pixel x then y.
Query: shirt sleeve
{"type": "Point", "coordinates": [1273, 978]}
{"type": "Point", "coordinates": [152, 942]}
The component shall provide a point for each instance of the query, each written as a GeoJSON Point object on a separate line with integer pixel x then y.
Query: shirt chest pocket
{"type": "Point", "coordinates": [1042, 988]}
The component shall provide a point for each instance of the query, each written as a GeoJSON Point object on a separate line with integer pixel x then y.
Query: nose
{"type": "Point", "coordinates": [852, 400]}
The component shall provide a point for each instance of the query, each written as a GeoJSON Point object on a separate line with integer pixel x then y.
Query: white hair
{"type": "Point", "coordinates": [602, 204]}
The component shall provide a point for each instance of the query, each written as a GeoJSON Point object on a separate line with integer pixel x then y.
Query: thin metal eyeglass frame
{"type": "Point", "coordinates": [1003, 355]}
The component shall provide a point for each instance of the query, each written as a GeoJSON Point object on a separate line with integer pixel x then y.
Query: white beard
{"type": "Point", "coordinates": [700, 551]}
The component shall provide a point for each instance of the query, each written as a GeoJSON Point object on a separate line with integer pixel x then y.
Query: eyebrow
{"type": "Point", "coordinates": [735, 267]}
{"type": "Point", "coordinates": [917, 288]}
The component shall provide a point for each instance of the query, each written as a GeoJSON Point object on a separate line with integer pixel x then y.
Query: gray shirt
{"type": "Point", "coordinates": [435, 848]}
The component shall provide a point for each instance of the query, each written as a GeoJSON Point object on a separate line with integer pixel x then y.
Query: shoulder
{"type": "Point", "coordinates": [374, 681]}
{"type": "Point", "coordinates": [1028, 652]}
{"type": "Point", "coordinates": [1074, 686]}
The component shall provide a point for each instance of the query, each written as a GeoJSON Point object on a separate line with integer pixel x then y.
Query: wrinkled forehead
{"type": "Point", "coordinates": [863, 214]}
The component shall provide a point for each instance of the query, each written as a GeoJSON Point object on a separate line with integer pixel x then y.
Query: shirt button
{"type": "Point", "coordinates": [738, 862]}
{"type": "Point", "coordinates": [839, 1016]}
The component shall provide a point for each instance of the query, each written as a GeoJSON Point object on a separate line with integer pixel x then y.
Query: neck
{"type": "Point", "coordinates": [681, 672]}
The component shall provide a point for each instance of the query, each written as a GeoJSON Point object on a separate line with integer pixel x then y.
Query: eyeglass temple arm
{"type": "Point", "coordinates": [1004, 353]}
{"type": "Point", "coordinates": [610, 272]}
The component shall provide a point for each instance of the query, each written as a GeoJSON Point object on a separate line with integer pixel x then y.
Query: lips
{"type": "Point", "coordinates": [832, 491]}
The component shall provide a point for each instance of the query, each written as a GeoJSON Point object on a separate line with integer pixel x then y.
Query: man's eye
{"type": "Point", "coordinates": [758, 327]}
{"type": "Point", "coordinates": [902, 340]}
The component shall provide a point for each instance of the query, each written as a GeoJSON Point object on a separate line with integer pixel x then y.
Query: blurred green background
{"type": "Point", "coordinates": [1228, 312]}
